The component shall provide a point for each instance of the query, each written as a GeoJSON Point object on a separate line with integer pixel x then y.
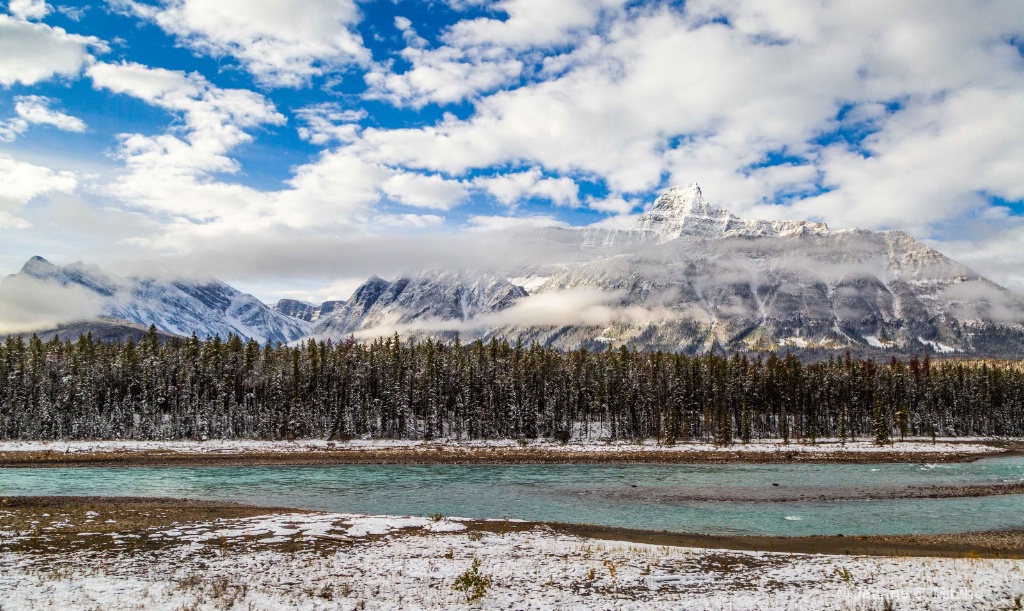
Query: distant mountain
{"type": "Point", "coordinates": [179, 307]}
{"type": "Point", "coordinates": [306, 311]}
{"type": "Point", "coordinates": [101, 330]}
{"type": "Point", "coordinates": [692, 277]}
{"type": "Point", "coordinates": [428, 302]}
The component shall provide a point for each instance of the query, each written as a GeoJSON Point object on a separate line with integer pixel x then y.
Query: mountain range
{"type": "Point", "coordinates": [686, 276]}
{"type": "Point", "coordinates": [177, 306]}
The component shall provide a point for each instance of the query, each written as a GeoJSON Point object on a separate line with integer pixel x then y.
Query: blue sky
{"type": "Point", "coordinates": [294, 148]}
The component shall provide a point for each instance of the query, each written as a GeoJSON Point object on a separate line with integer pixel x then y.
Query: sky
{"type": "Point", "coordinates": [293, 149]}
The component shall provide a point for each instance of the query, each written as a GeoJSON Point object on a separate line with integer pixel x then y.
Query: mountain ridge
{"type": "Point", "coordinates": [179, 307]}
{"type": "Point", "coordinates": [687, 276]}
{"type": "Point", "coordinates": [690, 277]}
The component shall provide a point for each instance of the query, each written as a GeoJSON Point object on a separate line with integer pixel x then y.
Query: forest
{"type": "Point", "coordinates": [395, 389]}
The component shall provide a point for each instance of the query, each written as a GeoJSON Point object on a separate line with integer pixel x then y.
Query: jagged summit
{"type": "Point", "coordinates": [683, 211]}
{"type": "Point", "coordinates": [686, 200]}
{"type": "Point", "coordinates": [38, 267]}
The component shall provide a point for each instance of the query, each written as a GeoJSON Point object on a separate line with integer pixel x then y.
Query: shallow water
{"type": "Point", "coordinates": [632, 496]}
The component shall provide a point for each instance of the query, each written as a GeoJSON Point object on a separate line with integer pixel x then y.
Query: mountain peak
{"type": "Point", "coordinates": [686, 199]}
{"type": "Point", "coordinates": [683, 210]}
{"type": "Point", "coordinates": [39, 267]}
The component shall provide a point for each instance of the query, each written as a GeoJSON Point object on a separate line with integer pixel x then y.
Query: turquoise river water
{"type": "Point", "coordinates": [655, 497]}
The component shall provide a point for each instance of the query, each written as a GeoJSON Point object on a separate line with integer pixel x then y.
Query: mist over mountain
{"type": "Point", "coordinates": [686, 276]}
{"type": "Point", "coordinates": [179, 307]}
{"type": "Point", "coordinates": [692, 277]}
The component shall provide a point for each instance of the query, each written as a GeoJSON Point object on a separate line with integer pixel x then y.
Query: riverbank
{"type": "Point", "coordinates": [78, 553]}
{"type": "Point", "coordinates": [322, 452]}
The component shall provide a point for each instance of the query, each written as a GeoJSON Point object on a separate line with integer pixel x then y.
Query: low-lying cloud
{"type": "Point", "coordinates": [28, 304]}
{"type": "Point", "coordinates": [583, 306]}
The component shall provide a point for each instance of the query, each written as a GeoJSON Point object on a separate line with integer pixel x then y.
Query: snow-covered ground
{"type": "Point", "coordinates": [378, 562]}
{"type": "Point", "coordinates": [971, 445]}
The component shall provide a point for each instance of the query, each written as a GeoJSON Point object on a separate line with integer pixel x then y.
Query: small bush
{"type": "Point", "coordinates": [473, 583]}
{"type": "Point", "coordinates": [436, 517]}
{"type": "Point", "coordinates": [845, 574]}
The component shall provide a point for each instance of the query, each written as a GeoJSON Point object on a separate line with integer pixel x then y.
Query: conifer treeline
{"type": "Point", "coordinates": [188, 389]}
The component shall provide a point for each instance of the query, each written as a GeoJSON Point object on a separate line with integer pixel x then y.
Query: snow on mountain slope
{"type": "Point", "coordinates": [306, 311]}
{"type": "Point", "coordinates": [176, 306]}
{"type": "Point", "coordinates": [688, 276]}
{"type": "Point", "coordinates": [683, 211]}
{"type": "Point", "coordinates": [433, 302]}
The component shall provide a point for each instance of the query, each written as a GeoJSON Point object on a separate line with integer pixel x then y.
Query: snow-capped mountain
{"type": "Point", "coordinates": [175, 306]}
{"type": "Point", "coordinates": [429, 302]}
{"type": "Point", "coordinates": [689, 276]}
{"type": "Point", "coordinates": [683, 212]}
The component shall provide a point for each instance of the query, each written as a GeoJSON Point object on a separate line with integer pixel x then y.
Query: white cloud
{"type": "Point", "coordinates": [531, 23]}
{"type": "Point", "coordinates": [425, 191]}
{"type": "Point", "coordinates": [660, 92]}
{"type": "Point", "coordinates": [28, 304]}
{"type": "Point", "coordinates": [34, 52]}
{"type": "Point", "coordinates": [1000, 255]}
{"type": "Point", "coordinates": [327, 122]}
{"type": "Point", "coordinates": [29, 9]}
{"type": "Point", "coordinates": [169, 174]}
{"type": "Point", "coordinates": [414, 221]}
{"type": "Point", "coordinates": [20, 182]}
{"type": "Point", "coordinates": [280, 43]}
{"type": "Point", "coordinates": [442, 76]}
{"type": "Point", "coordinates": [613, 203]}
{"type": "Point", "coordinates": [510, 189]}
{"type": "Point", "coordinates": [336, 290]}
{"type": "Point", "coordinates": [506, 223]}
{"type": "Point", "coordinates": [12, 128]}
{"type": "Point", "coordinates": [74, 13]}
{"type": "Point", "coordinates": [34, 109]}
{"type": "Point", "coordinates": [481, 55]}
{"type": "Point", "coordinates": [574, 306]}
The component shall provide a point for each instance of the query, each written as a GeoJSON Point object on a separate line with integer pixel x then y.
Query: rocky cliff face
{"type": "Point", "coordinates": [688, 276]}
{"type": "Point", "coordinates": [307, 312]}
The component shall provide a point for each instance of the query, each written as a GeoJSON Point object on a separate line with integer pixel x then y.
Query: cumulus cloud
{"type": "Point", "coordinates": [29, 304]}
{"type": "Point", "coordinates": [29, 9]}
{"type": "Point", "coordinates": [933, 158]}
{"type": "Point", "coordinates": [444, 76]}
{"type": "Point", "coordinates": [511, 188]}
{"type": "Point", "coordinates": [279, 43]}
{"type": "Point", "coordinates": [531, 23]}
{"type": "Point", "coordinates": [20, 182]}
{"type": "Point", "coordinates": [484, 54]}
{"type": "Point", "coordinates": [163, 170]}
{"type": "Point", "coordinates": [711, 92]}
{"type": "Point", "coordinates": [35, 52]}
{"type": "Point", "coordinates": [34, 109]}
{"type": "Point", "coordinates": [328, 122]}
{"type": "Point", "coordinates": [613, 203]}
{"type": "Point", "coordinates": [425, 191]}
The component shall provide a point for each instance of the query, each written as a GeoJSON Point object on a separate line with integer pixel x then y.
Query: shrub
{"type": "Point", "coordinates": [473, 583]}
